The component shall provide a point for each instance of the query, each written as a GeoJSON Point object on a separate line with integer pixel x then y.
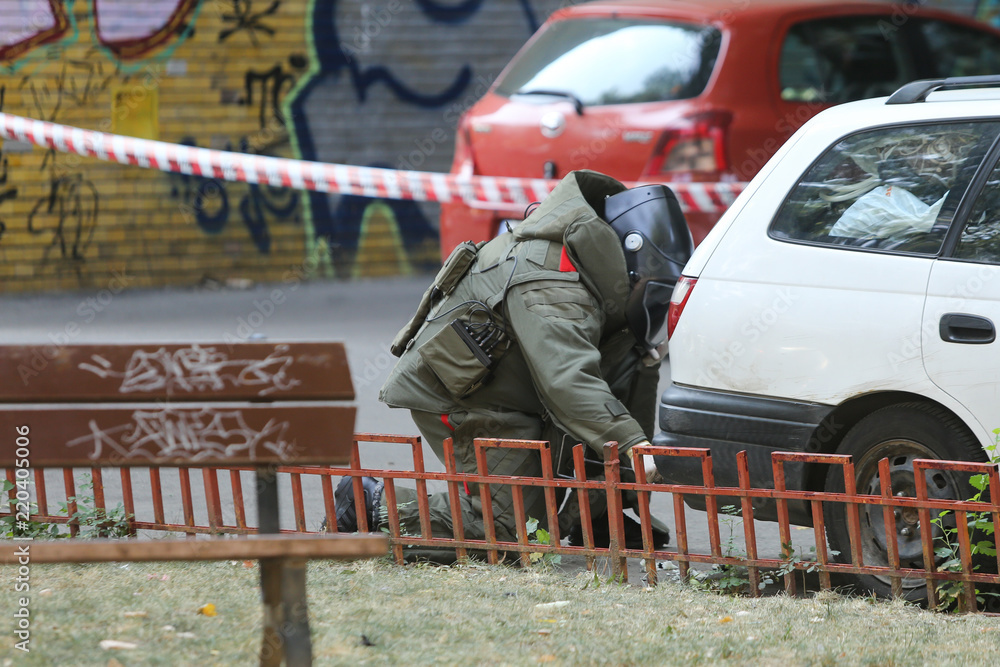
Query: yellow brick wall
{"type": "Point", "coordinates": [368, 82]}
{"type": "Point", "coordinates": [69, 221]}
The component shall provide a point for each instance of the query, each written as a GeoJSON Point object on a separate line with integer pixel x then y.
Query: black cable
{"type": "Point", "coordinates": [452, 310]}
{"type": "Point", "coordinates": [490, 325]}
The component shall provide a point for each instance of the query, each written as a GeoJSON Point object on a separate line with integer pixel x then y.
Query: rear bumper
{"type": "Point", "coordinates": [726, 424]}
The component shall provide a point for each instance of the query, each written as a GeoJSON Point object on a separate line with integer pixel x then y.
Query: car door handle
{"type": "Point", "coordinates": [969, 329]}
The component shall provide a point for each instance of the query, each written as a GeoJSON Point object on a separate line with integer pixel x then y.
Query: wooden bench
{"type": "Point", "coordinates": [259, 404]}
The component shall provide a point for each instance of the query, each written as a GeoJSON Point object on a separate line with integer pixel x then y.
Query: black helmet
{"type": "Point", "coordinates": [657, 244]}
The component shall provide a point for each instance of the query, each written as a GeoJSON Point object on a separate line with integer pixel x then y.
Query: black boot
{"type": "Point", "coordinates": [633, 535]}
{"type": "Point", "coordinates": [347, 518]}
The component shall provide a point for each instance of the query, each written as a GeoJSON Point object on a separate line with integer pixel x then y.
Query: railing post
{"type": "Point", "coordinates": [184, 476]}
{"type": "Point", "coordinates": [69, 486]}
{"type": "Point", "coordinates": [128, 500]}
{"type": "Point", "coordinates": [457, 525]}
{"type": "Point", "coordinates": [645, 521]}
{"type": "Point", "coordinates": [616, 522]}
{"type": "Point", "coordinates": [423, 506]}
{"type": "Point", "coordinates": [395, 534]}
{"type": "Point", "coordinates": [749, 530]}
{"type": "Point", "coordinates": [994, 487]}
{"type": "Point", "coordinates": [486, 503]}
{"type": "Point", "coordinates": [784, 526]}
{"type": "Point", "coordinates": [583, 497]}
{"type": "Point", "coordinates": [889, 517]}
{"type": "Point", "coordinates": [926, 536]}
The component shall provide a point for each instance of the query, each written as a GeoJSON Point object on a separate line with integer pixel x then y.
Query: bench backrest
{"type": "Point", "coordinates": [179, 404]}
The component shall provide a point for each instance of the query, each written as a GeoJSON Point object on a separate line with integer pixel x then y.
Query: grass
{"type": "Point", "coordinates": [377, 613]}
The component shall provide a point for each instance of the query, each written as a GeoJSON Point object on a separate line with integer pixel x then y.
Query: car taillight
{"type": "Point", "coordinates": [678, 300]}
{"type": "Point", "coordinates": [463, 162]}
{"type": "Point", "coordinates": [698, 145]}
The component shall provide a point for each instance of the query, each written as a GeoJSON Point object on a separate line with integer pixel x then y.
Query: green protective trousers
{"type": "Point", "coordinates": [500, 461]}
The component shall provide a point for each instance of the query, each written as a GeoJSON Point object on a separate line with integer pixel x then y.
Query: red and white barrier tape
{"type": "Point", "coordinates": [476, 191]}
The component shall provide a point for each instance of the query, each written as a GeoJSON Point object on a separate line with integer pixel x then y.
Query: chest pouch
{"type": "Point", "coordinates": [464, 353]}
{"type": "Point", "coordinates": [451, 273]}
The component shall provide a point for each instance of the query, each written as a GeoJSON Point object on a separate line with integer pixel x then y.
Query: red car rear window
{"type": "Point", "coordinates": [841, 59]}
{"type": "Point", "coordinates": [616, 61]}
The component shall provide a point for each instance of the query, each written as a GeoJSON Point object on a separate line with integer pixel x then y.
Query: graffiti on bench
{"type": "Point", "coordinates": [196, 368]}
{"type": "Point", "coordinates": [189, 434]}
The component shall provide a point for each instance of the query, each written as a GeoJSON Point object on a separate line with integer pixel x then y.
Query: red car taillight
{"type": "Point", "coordinates": [678, 300]}
{"type": "Point", "coordinates": [699, 145]}
{"type": "Point", "coordinates": [463, 162]}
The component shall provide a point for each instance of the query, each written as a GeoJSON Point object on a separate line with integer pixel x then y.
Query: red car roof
{"type": "Point", "coordinates": [728, 11]}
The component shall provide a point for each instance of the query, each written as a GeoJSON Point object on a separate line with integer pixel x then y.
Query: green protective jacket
{"type": "Point", "coordinates": [557, 285]}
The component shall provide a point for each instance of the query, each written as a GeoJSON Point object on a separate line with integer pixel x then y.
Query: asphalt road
{"type": "Point", "coordinates": [365, 315]}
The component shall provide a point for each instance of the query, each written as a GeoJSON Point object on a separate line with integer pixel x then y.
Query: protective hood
{"type": "Point", "coordinates": [573, 216]}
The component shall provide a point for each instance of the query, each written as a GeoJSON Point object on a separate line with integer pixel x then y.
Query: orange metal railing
{"type": "Point", "coordinates": [612, 485]}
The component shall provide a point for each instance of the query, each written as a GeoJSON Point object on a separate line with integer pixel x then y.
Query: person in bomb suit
{"type": "Point", "coordinates": [551, 332]}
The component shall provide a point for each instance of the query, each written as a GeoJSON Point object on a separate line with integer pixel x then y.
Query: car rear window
{"type": "Point", "coordinates": [956, 50]}
{"type": "Point", "coordinates": [891, 189]}
{"type": "Point", "coordinates": [616, 61]}
{"type": "Point", "coordinates": [841, 59]}
{"type": "Point", "coordinates": [980, 240]}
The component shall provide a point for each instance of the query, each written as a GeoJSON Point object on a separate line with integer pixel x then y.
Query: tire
{"type": "Point", "coordinates": [902, 433]}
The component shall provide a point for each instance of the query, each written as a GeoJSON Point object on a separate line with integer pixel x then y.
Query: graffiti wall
{"type": "Point", "coordinates": [378, 83]}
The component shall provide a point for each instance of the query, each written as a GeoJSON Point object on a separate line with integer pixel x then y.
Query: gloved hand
{"type": "Point", "coordinates": [656, 355]}
{"type": "Point", "coordinates": [652, 474]}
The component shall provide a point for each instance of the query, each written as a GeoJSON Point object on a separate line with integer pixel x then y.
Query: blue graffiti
{"type": "Point", "coordinates": [210, 189]}
{"type": "Point", "coordinates": [281, 203]}
{"type": "Point", "coordinates": [337, 221]}
{"type": "Point", "coordinates": [529, 14]}
{"type": "Point", "coordinates": [341, 231]}
{"type": "Point", "coordinates": [207, 199]}
{"type": "Point", "coordinates": [339, 227]}
{"type": "Point", "coordinates": [333, 58]}
{"type": "Point", "coordinates": [449, 13]}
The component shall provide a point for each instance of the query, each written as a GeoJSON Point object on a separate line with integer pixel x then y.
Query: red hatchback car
{"type": "Point", "coordinates": [661, 90]}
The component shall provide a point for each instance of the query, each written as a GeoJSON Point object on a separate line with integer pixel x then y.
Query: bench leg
{"type": "Point", "coordinates": [286, 613]}
{"type": "Point", "coordinates": [295, 628]}
{"type": "Point", "coordinates": [272, 649]}
{"type": "Point", "coordinates": [283, 590]}
{"type": "Point", "coordinates": [273, 645]}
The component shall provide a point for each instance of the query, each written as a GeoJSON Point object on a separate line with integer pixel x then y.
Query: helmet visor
{"type": "Point", "coordinates": [656, 304]}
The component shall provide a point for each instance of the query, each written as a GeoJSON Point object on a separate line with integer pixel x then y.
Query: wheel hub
{"type": "Point", "coordinates": [901, 454]}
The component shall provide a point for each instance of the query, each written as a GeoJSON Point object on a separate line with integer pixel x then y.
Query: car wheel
{"type": "Point", "coordinates": [900, 433]}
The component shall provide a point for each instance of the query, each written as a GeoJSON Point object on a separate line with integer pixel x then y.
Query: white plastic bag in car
{"type": "Point", "coordinates": [886, 212]}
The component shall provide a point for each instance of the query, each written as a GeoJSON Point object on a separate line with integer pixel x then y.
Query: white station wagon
{"type": "Point", "coordinates": [848, 303]}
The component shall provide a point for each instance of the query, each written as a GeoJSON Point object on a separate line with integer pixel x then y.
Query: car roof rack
{"type": "Point", "coordinates": [917, 91]}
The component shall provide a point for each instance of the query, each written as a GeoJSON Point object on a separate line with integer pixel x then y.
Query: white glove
{"type": "Point", "coordinates": [655, 356]}
{"type": "Point", "coordinates": [652, 474]}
